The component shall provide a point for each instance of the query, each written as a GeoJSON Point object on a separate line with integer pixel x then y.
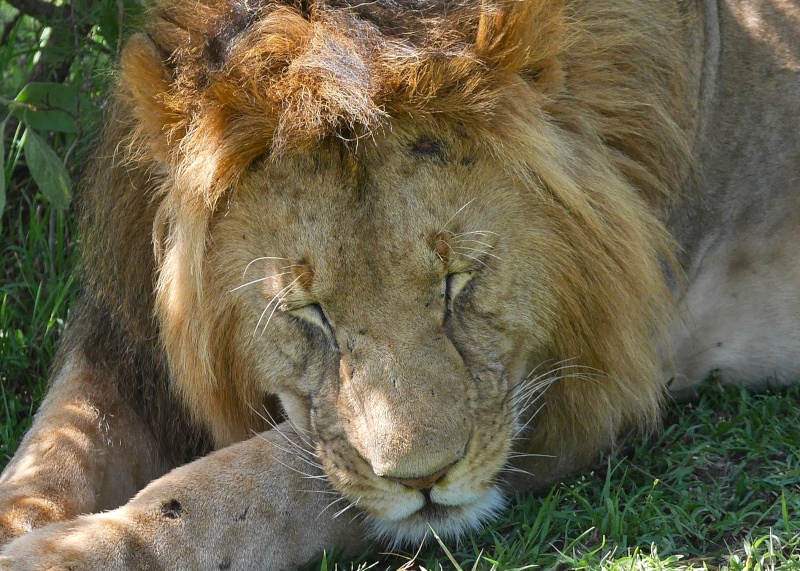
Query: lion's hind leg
{"type": "Point", "coordinates": [86, 451]}
{"type": "Point", "coordinates": [741, 315]}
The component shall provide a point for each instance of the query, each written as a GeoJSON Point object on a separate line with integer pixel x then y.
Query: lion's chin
{"type": "Point", "coordinates": [449, 522]}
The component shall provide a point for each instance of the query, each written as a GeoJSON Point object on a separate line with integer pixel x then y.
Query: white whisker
{"type": "Point", "coordinates": [478, 260]}
{"type": "Point", "coordinates": [276, 299]}
{"type": "Point", "coordinates": [343, 510]}
{"type": "Point", "coordinates": [290, 452]}
{"type": "Point", "coordinates": [304, 452]}
{"type": "Point", "coordinates": [514, 469]}
{"type": "Point", "coordinates": [516, 455]}
{"type": "Point", "coordinates": [256, 281]}
{"type": "Point", "coordinates": [457, 212]}
{"type": "Point", "coordinates": [305, 436]}
{"type": "Point", "coordinates": [287, 466]}
{"type": "Point", "coordinates": [333, 503]}
{"type": "Point", "coordinates": [476, 232]}
{"type": "Point", "coordinates": [310, 451]}
{"type": "Point", "coordinates": [480, 242]}
{"type": "Point", "coordinates": [247, 267]}
{"type": "Point", "coordinates": [525, 426]}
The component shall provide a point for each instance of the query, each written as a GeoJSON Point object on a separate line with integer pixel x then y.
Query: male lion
{"type": "Point", "coordinates": [431, 240]}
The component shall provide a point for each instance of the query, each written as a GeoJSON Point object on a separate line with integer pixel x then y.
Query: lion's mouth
{"type": "Point", "coordinates": [402, 509]}
{"type": "Point", "coordinates": [448, 521]}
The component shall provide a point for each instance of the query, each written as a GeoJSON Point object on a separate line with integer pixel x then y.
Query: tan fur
{"type": "Point", "coordinates": [422, 237]}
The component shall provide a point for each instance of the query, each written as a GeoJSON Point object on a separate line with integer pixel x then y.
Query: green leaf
{"type": "Point", "coordinates": [48, 107]}
{"type": "Point", "coordinates": [2, 171]}
{"type": "Point", "coordinates": [108, 23]}
{"type": "Point", "coordinates": [47, 170]}
{"type": "Point", "coordinates": [113, 16]}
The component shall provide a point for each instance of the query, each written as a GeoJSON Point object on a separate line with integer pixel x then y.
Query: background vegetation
{"type": "Point", "coordinates": [718, 488]}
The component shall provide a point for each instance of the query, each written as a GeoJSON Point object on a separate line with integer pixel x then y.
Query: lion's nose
{"type": "Point", "coordinates": [424, 482]}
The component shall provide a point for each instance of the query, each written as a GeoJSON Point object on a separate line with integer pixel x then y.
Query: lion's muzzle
{"type": "Point", "coordinates": [407, 408]}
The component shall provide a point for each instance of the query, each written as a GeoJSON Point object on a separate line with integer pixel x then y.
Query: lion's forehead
{"type": "Point", "coordinates": [386, 230]}
{"type": "Point", "coordinates": [386, 210]}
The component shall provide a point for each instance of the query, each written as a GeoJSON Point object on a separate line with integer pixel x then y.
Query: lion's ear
{"type": "Point", "coordinates": [525, 37]}
{"type": "Point", "coordinates": [144, 84]}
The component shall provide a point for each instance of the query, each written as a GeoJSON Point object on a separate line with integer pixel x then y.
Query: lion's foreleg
{"type": "Point", "coordinates": [259, 504]}
{"type": "Point", "coordinates": [86, 451]}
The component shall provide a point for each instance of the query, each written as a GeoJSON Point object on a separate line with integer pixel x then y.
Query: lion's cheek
{"type": "Point", "coordinates": [297, 408]}
{"type": "Point", "coordinates": [501, 342]}
{"type": "Point", "coordinates": [292, 363]}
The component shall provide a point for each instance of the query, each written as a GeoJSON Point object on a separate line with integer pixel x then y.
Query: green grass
{"type": "Point", "coordinates": [36, 290]}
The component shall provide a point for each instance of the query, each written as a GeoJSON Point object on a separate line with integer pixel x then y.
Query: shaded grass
{"type": "Point", "coordinates": [36, 290]}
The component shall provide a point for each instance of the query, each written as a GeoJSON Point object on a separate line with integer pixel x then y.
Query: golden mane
{"type": "Point", "coordinates": [216, 85]}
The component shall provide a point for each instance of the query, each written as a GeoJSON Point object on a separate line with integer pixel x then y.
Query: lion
{"type": "Point", "coordinates": [408, 256]}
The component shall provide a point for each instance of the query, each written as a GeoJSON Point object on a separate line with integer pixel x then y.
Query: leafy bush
{"type": "Point", "coordinates": [55, 67]}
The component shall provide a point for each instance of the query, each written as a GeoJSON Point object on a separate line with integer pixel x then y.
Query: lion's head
{"type": "Point", "coordinates": [430, 228]}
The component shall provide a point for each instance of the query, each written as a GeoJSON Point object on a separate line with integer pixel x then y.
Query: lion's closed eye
{"type": "Point", "coordinates": [312, 313]}
{"type": "Point", "coordinates": [452, 285]}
